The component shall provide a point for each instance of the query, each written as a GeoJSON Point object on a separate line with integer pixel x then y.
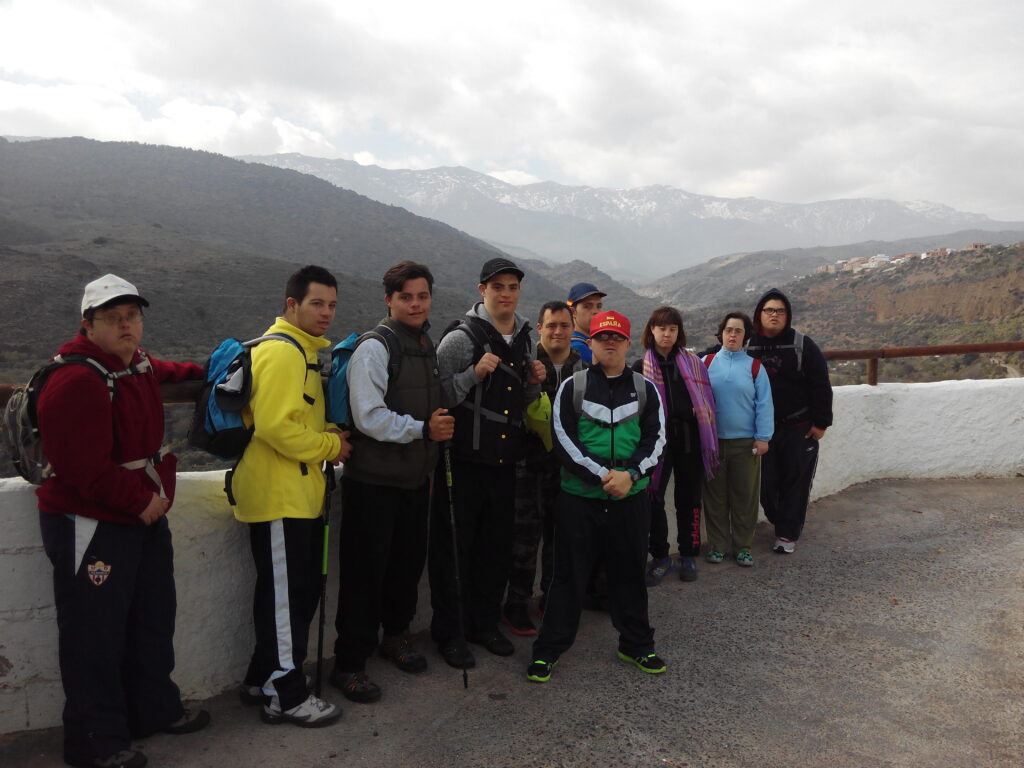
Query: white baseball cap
{"type": "Point", "coordinates": [104, 290]}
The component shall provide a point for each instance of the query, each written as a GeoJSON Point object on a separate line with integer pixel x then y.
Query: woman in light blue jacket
{"type": "Point", "coordinates": [745, 418]}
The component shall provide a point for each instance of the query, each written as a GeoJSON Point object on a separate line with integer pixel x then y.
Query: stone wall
{"type": "Point", "coordinates": [944, 429]}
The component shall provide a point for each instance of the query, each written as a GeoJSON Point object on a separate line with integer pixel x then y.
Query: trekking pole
{"type": "Point", "coordinates": [455, 549]}
{"type": "Point", "coordinates": [328, 491]}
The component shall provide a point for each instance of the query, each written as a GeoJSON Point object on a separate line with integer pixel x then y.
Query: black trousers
{"type": "Point", "coordinates": [585, 529]}
{"type": "Point", "coordinates": [688, 470]}
{"type": "Point", "coordinates": [383, 550]}
{"type": "Point", "coordinates": [787, 472]}
{"type": "Point", "coordinates": [288, 554]}
{"type": "Point", "coordinates": [537, 486]}
{"type": "Point", "coordinates": [484, 499]}
{"type": "Point", "coordinates": [113, 586]}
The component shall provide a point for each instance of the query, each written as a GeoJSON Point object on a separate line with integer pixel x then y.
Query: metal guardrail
{"type": "Point", "coordinates": [874, 355]}
{"type": "Point", "coordinates": [187, 391]}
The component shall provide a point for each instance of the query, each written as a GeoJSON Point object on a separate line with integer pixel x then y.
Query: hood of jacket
{"type": "Point", "coordinates": [772, 293]}
{"type": "Point", "coordinates": [478, 310]}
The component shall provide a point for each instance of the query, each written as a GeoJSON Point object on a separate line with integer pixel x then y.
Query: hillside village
{"type": "Point", "coordinates": [881, 260]}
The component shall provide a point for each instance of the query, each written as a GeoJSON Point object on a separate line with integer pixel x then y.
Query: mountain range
{"type": "Point", "coordinates": [633, 234]}
{"type": "Point", "coordinates": [210, 241]}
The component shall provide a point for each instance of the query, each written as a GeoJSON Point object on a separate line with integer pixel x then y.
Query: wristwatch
{"type": "Point", "coordinates": [633, 475]}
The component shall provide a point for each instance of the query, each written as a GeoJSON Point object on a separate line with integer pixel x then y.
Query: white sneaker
{"type": "Point", "coordinates": [784, 546]}
{"type": "Point", "coordinates": [253, 694]}
{"type": "Point", "coordinates": [312, 713]}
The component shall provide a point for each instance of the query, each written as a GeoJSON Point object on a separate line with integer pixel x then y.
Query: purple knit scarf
{"type": "Point", "coordinates": [695, 376]}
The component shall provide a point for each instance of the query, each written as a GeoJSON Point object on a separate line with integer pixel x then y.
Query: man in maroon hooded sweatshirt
{"type": "Point", "coordinates": [104, 526]}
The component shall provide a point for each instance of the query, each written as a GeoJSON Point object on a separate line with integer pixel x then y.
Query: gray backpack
{"type": "Point", "coordinates": [20, 425]}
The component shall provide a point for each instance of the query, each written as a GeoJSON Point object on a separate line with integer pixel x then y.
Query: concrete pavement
{"type": "Point", "coordinates": [894, 636]}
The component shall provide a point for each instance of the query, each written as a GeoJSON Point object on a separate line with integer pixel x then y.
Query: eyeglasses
{"type": "Point", "coordinates": [133, 318]}
{"type": "Point", "coordinates": [605, 337]}
{"type": "Point", "coordinates": [774, 310]}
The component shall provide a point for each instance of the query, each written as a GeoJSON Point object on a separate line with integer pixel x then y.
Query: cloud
{"type": "Point", "coordinates": [793, 100]}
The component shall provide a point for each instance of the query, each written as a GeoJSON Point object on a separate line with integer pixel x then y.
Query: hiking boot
{"type": "Point", "coordinates": [355, 686]}
{"type": "Point", "coordinates": [126, 758]}
{"type": "Point", "coordinates": [645, 662]}
{"type": "Point", "coordinates": [312, 713]}
{"type": "Point", "coordinates": [518, 619]}
{"type": "Point", "coordinates": [687, 569]}
{"type": "Point", "coordinates": [784, 546]}
{"type": "Point", "coordinates": [190, 722]}
{"type": "Point", "coordinates": [457, 654]}
{"type": "Point", "coordinates": [493, 641]}
{"type": "Point", "coordinates": [400, 650]}
{"type": "Point", "coordinates": [657, 570]}
{"type": "Point", "coordinates": [744, 558]}
{"type": "Point", "coordinates": [540, 671]}
{"type": "Point", "coordinates": [714, 556]}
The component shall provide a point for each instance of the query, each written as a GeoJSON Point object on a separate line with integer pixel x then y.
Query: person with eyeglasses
{"type": "Point", "coordinates": [609, 434]}
{"type": "Point", "coordinates": [802, 396]}
{"type": "Point", "coordinates": [103, 517]}
{"type": "Point", "coordinates": [744, 420]}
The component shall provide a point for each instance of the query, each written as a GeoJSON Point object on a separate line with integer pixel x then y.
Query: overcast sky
{"type": "Point", "coordinates": [789, 100]}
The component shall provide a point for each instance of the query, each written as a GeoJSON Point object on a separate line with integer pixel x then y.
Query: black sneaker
{"type": "Point", "coordinates": [493, 641]}
{"type": "Point", "coordinates": [190, 722]}
{"type": "Point", "coordinates": [687, 569]}
{"type": "Point", "coordinates": [645, 662]}
{"type": "Point", "coordinates": [539, 671]}
{"type": "Point", "coordinates": [126, 758]}
{"type": "Point", "coordinates": [400, 650]}
{"type": "Point", "coordinates": [657, 570]}
{"type": "Point", "coordinates": [517, 618]}
{"type": "Point", "coordinates": [355, 686]}
{"type": "Point", "coordinates": [457, 654]}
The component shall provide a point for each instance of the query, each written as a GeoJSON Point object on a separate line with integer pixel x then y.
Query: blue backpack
{"type": "Point", "coordinates": [338, 410]}
{"type": "Point", "coordinates": [217, 425]}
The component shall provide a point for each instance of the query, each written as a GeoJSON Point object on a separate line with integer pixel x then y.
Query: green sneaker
{"type": "Point", "coordinates": [744, 558]}
{"type": "Point", "coordinates": [540, 671]}
{"type": "Point", "coordinates": [645, 662]}
{"type": "Point", "coordinates": [714, 556]}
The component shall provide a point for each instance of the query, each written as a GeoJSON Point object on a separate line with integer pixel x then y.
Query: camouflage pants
{"type": "Point", "coordinates": [536, 489]}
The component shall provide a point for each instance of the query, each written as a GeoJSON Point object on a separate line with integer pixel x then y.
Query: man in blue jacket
{"type": "Point", "coordinates": [608, 438]}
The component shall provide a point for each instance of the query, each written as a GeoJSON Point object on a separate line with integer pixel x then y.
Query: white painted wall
{"type": "Point", "coordinates": [944, 429]}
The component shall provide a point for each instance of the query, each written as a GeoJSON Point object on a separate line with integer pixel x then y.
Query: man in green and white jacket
{"type": "Point", "coordinates": [608, 440]}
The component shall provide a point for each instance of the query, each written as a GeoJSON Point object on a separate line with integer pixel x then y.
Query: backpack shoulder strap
{"type": "Point", "coordinates": [755, 369]}
{"type": "Point", "coordinates": [389, 339]}
{"type": "Point", "coordinates": [711, 356]}
{"type": "Point", "coordinates": [285, 337]}
{"type": "Point", "coordinates": [476, 334]}
{"type": "Point", "coordinates": [640, 385]}
{"type": "Point", "coordinates": [89, 362]}
{"type": "Point", "coordinates": [579, 389]}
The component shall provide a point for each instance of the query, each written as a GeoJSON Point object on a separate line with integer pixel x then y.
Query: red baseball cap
{"type": "Point", "coordinates": [613, 322]}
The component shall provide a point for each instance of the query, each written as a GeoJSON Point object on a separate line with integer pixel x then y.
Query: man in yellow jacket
{"type": "Point", "coordinates": [278, 489]}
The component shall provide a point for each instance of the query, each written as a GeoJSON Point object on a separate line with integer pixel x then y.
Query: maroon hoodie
{"type": "Point", "coordinates": [87, 437]}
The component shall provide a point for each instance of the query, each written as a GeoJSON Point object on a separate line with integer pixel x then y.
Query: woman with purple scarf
{"type": "Point", "coordinates": [692, 441]}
